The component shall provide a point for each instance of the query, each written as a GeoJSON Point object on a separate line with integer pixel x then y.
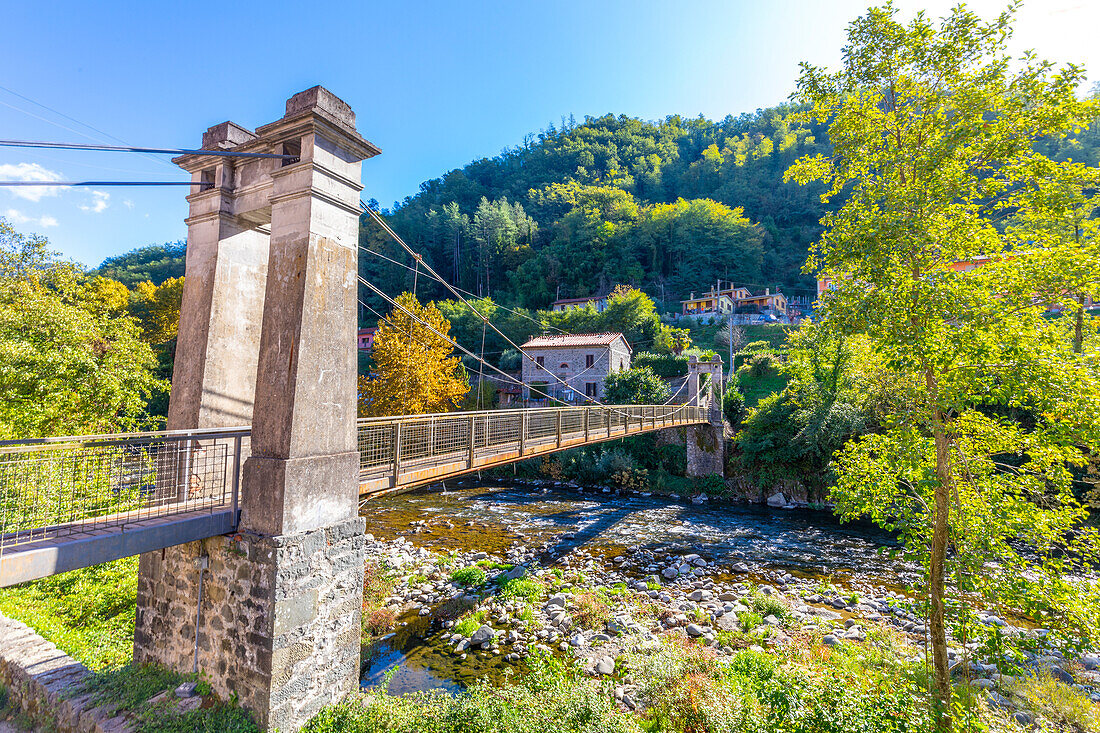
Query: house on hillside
{"type": "Point", "coordinates": [563, 304]}
{"type": "Point", "coordinates": [722, 302]}
{"type": "Point", "coordinates": [366, 339]}
{"type": "Point", "coordinates": [572, 367]}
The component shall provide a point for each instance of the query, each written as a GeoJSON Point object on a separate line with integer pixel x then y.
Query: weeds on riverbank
{"type": "Point", "coordinates": [135, 689]}
{"type": "Point", "coordinates": [551, 697]}
{"type": "Point", "coordinates": [89, 613]}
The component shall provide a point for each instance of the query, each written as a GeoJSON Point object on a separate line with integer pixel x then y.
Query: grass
{"type": "Point", "coordinates": [130, 689]}
{"type": "Point", "coordinates": [469, 576]}
{"type": "Point", "coordinates": [749, 620]}
{"type": "Point", "coordinates": [470, 623]}
{"type": "Point", "coordinates": [769, 606]}
{"type": "Point", "coordinates": [527, 589]}
{"type": "Point", "coordinates": [89, 613]}
{"type": "Point", "coordinates": [755, 389]}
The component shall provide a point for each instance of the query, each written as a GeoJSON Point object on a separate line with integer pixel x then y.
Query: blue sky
{"type": "Point", "coordinates": [434, 84]}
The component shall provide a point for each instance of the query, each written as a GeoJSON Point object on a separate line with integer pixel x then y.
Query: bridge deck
{"type": "Point", "coordinates": [68, 503]}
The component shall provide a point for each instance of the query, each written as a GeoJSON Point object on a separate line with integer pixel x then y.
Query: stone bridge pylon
{"type": "Point", "coordinates": [706, 443]}
{"type": "Point", "coordinates": [267, 337]}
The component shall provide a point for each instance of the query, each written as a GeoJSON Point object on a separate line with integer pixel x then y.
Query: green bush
{"type": "Point", "coordinates": [733, 406]}
{"type": "Point", "coordinates": [635, 386]}
{"type": "Point", "coordinates": [665, 366]}
{"type": "Point", "coordinates": [470, 576]}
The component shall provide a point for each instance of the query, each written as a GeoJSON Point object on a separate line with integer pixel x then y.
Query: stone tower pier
{"type": "Point", "coordinates": [267, 337]}
{"type": "Point", "coordinates": [706, 444]}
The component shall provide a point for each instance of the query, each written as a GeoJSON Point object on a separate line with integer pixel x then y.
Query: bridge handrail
{"type": "Point", "coordinates": [20, 445]}
{"type": "Point", "coordinates": [505, 411]}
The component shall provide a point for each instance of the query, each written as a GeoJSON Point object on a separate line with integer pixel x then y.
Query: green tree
{"type": "Point", "coordinates": [635, 386]}
{"type": "Point", "coordinates": [71, 358]}
{"type": "Point", "coordinates": [933, 130]}
{"type": "Point", "coordinates": [414, 369]}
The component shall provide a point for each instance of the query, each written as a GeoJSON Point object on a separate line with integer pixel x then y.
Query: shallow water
{"type": "Point", "coordinates": [493, 517]}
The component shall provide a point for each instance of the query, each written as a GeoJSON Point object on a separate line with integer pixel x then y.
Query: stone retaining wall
{"type": "Point", "coordinates": [43, 681]}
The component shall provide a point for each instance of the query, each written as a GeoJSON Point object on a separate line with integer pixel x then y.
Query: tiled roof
{"type": "Point", "coordinates": [573, 340]}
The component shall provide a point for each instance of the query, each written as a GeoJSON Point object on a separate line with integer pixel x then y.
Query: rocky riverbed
{"type": "Point", "coordinates": [480, 588]}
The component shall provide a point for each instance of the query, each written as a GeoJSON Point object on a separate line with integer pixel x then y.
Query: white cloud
{"type": "Point", "coordinates": [19, 218]}
{"type": "Point", "coordinates": [100, 201]}
{"type": "Point", "coordinates": [128, 204]}
{"type": "Point", "coordinates": [30, 172]}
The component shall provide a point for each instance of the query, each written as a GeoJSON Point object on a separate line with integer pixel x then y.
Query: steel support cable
{"type": "Point", "coordinates": [71, 184]}
{"type": "Point", "coordinates": [378, 291]}
{"type": "Point", "coordinates": [381, 222]}
{"type": "Point", "coordinates": [102, 134]}
{"type": "Point", "coordinates": [460, 347]}
{"type": "Point", "coordinates": [467, 292]}
{"type": "Point", "coordinates": [466, 351]}
{"type": "Point", "coordinates": [134, 149]}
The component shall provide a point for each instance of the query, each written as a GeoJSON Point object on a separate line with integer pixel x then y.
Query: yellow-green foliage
{"type": "Point", "coordinates": [1058, 702]}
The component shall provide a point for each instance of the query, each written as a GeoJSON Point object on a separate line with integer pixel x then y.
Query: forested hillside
{"type": "Point", "coordinates": [667, 206]}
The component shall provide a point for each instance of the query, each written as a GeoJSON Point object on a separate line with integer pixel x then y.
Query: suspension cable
{"type": "Point", "coordinates": [377, 218]}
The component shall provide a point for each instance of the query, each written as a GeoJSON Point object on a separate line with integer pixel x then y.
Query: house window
{"type": "Point", "coordinates": [563, 365]}
{"type": "Point", "coordinates": [589, 361]}
{"type": "Point", "coordinates": [589, 389]}
{"type": "Point", "coordinates": [538, 360]}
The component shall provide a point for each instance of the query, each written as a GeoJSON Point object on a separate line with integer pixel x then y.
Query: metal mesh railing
{"type": "Point", "coordinates": [59, 487]}
{"type": "Point", "coordinates": [388, 445]}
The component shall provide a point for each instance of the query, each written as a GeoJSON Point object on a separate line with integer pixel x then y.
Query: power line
{"type": "Point", "coordinates": [71, 184]}
{"type": "Point", "coordinates": [131, 149]}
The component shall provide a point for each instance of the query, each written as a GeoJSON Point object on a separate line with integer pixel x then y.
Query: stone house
{"type": "Point", "coordinates": [582, 361]}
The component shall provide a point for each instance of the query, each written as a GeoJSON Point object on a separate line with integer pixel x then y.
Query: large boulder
{"type": "Point", "coordinates": [483, 634]}
{"type": "Point", "coordinates": [777, 500]}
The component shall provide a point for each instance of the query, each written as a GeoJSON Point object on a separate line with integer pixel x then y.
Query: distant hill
{"type": "Point", "coordinates": [577, 209]}
{"type": "Point", "coordinates": [155, 263]}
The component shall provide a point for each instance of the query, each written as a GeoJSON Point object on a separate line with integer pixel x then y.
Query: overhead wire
{"type": "Point", "coordinates": [521, 314]}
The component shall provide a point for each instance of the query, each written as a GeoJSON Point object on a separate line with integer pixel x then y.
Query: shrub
{"type": "Point", "coordinates": [733, 406]}
{"type": "Point", "coordinates": [592, 611]}
{"type": "Point", "coordinates": [637, 386]}
{"type": "Point", "coordinates": [379, 621]}
{"type": "Point", "coordinates": [467, 625]}
{"type": "Point", "coordinates": [665, 366]}
{"type": "Point", "coordinates": [769, 606]}
{"type": "Point", "coordinates": [1057, 701]}
{"type": "Point", "coordinates": [468, 576]}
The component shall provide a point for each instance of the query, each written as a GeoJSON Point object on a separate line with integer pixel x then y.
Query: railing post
{"type": "Point", "coordinates": [559, 427]}
{"type": "Point", "coordinates": [609, 415]}
{"type": "Point", "coordinates": [586, 412]}
{"type": "Point", "coordinates": [431, 437]}
{"type": "Point", "coordinates": [523, 432]}
{"type": "Point", "coordinates": [473, 426]}
{"type": "Point", "coordinates": [396, 452]}
{"type": "Point", "coordinates": [186, 468]}
{"type": "Point", "coordinates": [236, 478]}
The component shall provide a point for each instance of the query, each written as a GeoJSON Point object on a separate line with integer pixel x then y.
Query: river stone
{"type": "Point", "coordinates": [462, 646]}
{"type": "Point", "coordinates": [577, 639]}
{"type": "Point", "coordinates": [669, 573]}
{"type": "Point", "coordinates": [699, 595]}
{"type": "Point", "coordinates": [1091, 662]}
{"type": "Point", "coordinates": [728, 622]}
{"type": "Point", "coordinates": [740, 568]}
{"type": "Point", "coordinates": [729, 596]}
{"type": "Point", "coordinates": [605, 665]}
{"type": "Point", "coordinates": [1061, 675]}
{"type": "Point", "coordinates": [558, 600]}
{"type": "Point", "coordinates": [694, 630]}
{"type": "Point", "coordinates": [777, 500]}
{"type": "Point", "coordinates": [483, 634]}
{"type": "Point", "coordinates": [517, 573]}
{"type": "Point", "coordinates": [830, 640]}
{"type": "Point", "coordinates": [771, 620]}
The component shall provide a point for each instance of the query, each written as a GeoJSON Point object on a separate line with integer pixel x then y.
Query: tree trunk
{"type": "Point", "coordinates": [936, 626]}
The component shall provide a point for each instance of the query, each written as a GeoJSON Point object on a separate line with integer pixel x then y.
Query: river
{"type": "Point", "coordinates": [498, 517]}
